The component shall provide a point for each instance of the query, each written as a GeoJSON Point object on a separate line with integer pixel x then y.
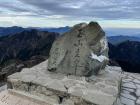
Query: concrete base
{"type": "Point", "coordinates": [61, 89]}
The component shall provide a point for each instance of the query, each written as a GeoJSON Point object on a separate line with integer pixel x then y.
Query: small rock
{"type": "Point", "coordinates": [129, 96]}
{"type": "Point", "coordinates": [127, 80]}
{"type": "Point", "coordinates": [136, 81]}
{"type": "Point", "coordinates": [127, 101]}
{"type": "Point", "coordinates": [138, 86]}
{"type": "Point", "coordinates": [128, 89]}
{"type": "Point", "coordinates": [129, 85]}
{"type": "Point", "coordinates": [125, 92]}
{"type": "Point", "coordinates": [138, 101]}
{"type": "Point", "coordinates": [138, 92]}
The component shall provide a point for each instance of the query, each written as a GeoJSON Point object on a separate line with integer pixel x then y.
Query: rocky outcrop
{"type": "Point", "coordinates": [24, 49]}
{"type": "Point", "coordinates": [81, 51]}
{"type": "Point", "coordinates": [22, 46]}
{"type": "Point", "coordinates": [10, 69]}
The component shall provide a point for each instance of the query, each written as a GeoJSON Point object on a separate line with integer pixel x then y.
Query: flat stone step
{"type": "Point", "coordinates": [27, 96]}
{"type": "Point", "coordinates": [10, 97]}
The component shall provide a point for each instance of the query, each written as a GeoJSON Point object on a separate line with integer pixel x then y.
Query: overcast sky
{"type": "Point", "coordinates": [56, 13]}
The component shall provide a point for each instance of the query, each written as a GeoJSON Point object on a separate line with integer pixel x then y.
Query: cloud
{"type": "Point", "coordinates": [13, 8]}
{"type": "Point", "coordinates": [72, 10]}
{"type": "Point", "coordinates": [105, 9]}
{"type": "Point", "coordinates": [102, 9]}
{"type": "Point", "coordinates": [6, 23]}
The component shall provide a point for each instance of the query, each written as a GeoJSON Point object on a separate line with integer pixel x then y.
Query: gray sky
{"type": "Point", "coordinates": [56, 13]}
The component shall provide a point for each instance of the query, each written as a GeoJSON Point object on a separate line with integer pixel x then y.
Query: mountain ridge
{"type": "Point", "coordinates": [122, 38]}
{"type": "Point", "coordinates": [127, 55]}
{"type": "Point", "coordinates": [4, 31]}
{"type": "Point", "coordinates": [24, 49]}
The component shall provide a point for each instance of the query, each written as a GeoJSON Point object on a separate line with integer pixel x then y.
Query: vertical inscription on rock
{"type": "Point", "coordinates": [79, 51]}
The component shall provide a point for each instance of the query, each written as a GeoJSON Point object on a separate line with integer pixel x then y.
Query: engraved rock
{"type": "Point", "coordinates": [82, 51]}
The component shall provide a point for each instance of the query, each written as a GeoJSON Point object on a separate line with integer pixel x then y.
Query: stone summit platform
{"type": "Point", "coordinates": [60, 89]}
{"type": "Point", "coordinates": [129, 93]}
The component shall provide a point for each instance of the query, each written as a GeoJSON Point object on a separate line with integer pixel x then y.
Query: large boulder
{"type": "Point", "coordinates": [82, 51]}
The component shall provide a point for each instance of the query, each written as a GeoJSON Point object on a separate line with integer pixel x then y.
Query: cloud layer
{"type": "Point", "coordinates": [72, 9]}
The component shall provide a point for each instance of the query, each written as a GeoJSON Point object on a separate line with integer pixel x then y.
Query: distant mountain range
{"type": "Point", "coordinates": [112, 37]}
{"type": "Point", "coordinates": [15, 29]}
{"type": "Point", "coordinates": [119, 39]}
{"type": "Point", "coordinates": [122, 31]}
{"type": "Point", "coordinates": [60, 30]}
{"type": "Point", "coordinates": [10, 30]}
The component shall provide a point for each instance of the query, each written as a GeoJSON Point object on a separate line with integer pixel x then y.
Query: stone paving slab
{"type": "Point", "coordinates": [130, 89]}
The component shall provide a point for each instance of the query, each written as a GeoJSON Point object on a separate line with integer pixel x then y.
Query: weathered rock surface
{"type": "Point", "coordinates": [82, 51]}
{"type": "Point", "coordinates": [62, 89]}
